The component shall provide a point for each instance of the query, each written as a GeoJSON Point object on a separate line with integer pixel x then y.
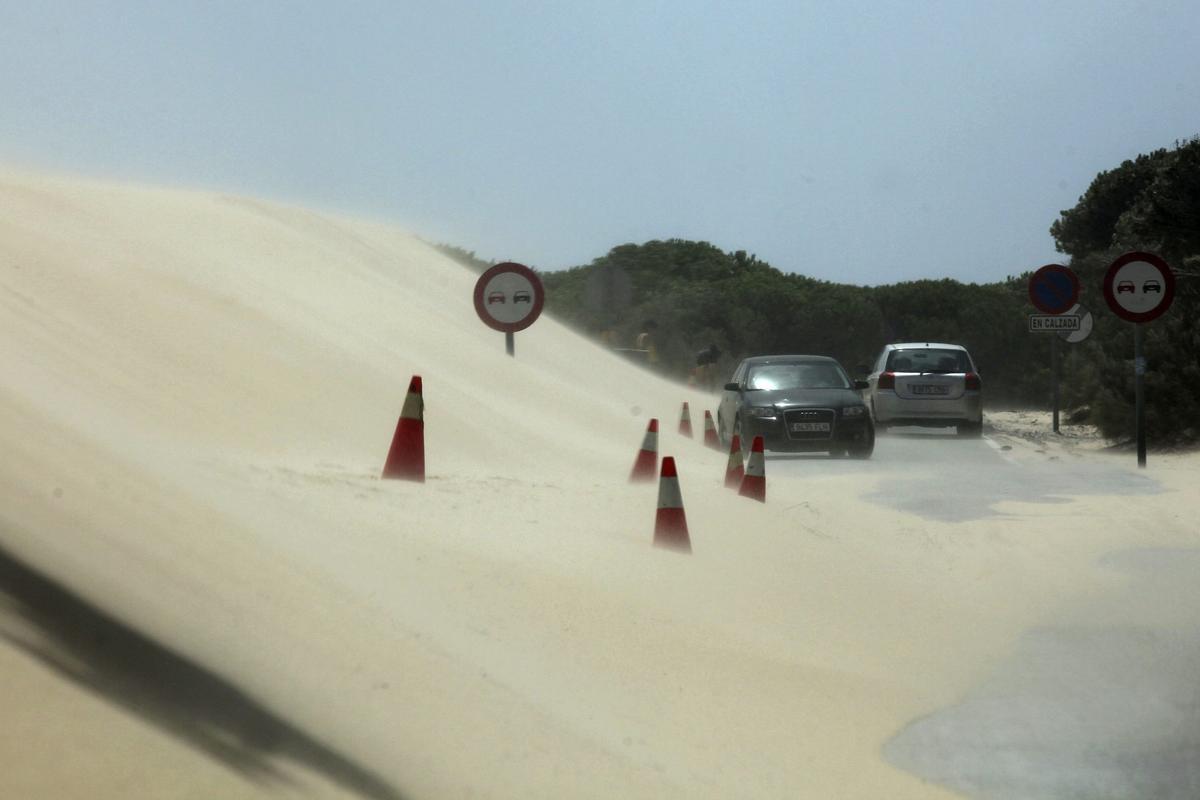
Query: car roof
{"type": "Point", "coordinates": [769, 359]}
{"type": "Point", "coordinates": [914, 345]}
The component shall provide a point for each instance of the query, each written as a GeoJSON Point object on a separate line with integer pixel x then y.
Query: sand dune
{"type": "Point", "coordinates": [196, 396]}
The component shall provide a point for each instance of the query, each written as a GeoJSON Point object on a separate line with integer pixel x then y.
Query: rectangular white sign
{"type": "Point", "coordinates": [1053, 323]}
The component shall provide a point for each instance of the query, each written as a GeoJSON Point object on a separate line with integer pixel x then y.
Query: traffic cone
{"type": "Point", "coordinates": [406, 457]}
{"type": "Point", "coordinates": [685, 421]}
{"type": "Point", "coordinates": [710, 431]}
{"type": "Point", "coordinates": [733, 470]}
{"type": "Point", "coordinates": [754, 483]}
{"type": "Point", "coordinates": [670, 523]}
{"type": "Point", "coordinates": [646, 463]}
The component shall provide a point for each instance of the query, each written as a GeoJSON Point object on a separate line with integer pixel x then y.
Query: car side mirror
{"type": "Point", "coordinates": [861, 384]}
{"type": "Point", "coordinates": [731, 387]}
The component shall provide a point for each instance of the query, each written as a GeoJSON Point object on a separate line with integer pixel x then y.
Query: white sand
{"type": "Point", "coordinates": [196, 396]}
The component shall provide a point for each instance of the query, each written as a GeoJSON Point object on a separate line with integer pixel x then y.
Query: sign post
{"type": "Point", "coordinates": [1139, 288]}
{"type": "Point", "coordinates": [1056, 372]}
{"type": "Point", "coordinates": [508, 298]}
{"type": "Point", "coordinates": [1139, 394]}
{"type": "Point", "coordinates": [1053, 289]}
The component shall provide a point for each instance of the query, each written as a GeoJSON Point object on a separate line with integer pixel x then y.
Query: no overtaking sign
{"type": "Point", "coordinates": [509, 297]}
{"type": "Point", "coordinates": [1139, 287]}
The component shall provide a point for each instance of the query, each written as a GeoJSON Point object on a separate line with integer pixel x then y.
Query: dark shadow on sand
{"type": "Point", "coordinates": [187, 701]}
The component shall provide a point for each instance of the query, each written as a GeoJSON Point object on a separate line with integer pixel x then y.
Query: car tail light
{"type": "Point", "coordinates": [973, 383]}
{"type": "Point", "coordinates": [887, 380]}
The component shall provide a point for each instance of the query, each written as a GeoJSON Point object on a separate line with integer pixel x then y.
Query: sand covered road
{"type": "Point", "coordinates": [1099, 698]}
{"type": "Point", "coordinates": [196, 395]}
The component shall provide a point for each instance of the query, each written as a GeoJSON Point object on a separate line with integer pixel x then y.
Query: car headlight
{"type": "Point", "coordinates": [854, 411]}
{"type": "Point", "coordinates": [761, 411]}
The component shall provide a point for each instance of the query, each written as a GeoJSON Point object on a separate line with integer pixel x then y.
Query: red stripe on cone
{"type": "Point", "coordinates": [685, 421]}
{"type": "Point", "coordinates": [670, 523]}
{"type": "Point", "coordinates": [710, 431]}
{"type": "Point", "coordinates": [754, 483]}
{"type": "Point", "coordinates": [733, 470]}
{"type": "Point", "coordinates": [406, 457]}
{"type": "Point", "coordinates": [645, 466]}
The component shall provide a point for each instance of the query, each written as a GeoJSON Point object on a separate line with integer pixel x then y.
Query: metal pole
{"type": "Point", "coordinates": [1054, 368]}
{"type": "Point", "coordinates": [1139, 394]}
{"type": "Point", "coordinates": [509, 346]}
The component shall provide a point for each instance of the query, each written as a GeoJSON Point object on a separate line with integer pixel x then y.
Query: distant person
{"type": "Point", "coordinates": [645, 341]}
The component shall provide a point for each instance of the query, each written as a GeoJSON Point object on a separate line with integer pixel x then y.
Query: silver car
{"type": "Point", "coordinates": [927, 384]}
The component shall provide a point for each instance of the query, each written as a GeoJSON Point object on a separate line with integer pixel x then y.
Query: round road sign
{"type": "Point", "coordinates": [1085, 325]}
{"type": "Point", "coordinates": [1053, 289]}
{"type": "Point", "coordinates": [509, 297]}
{"type": "Point", "coordinates": [1139, 287]}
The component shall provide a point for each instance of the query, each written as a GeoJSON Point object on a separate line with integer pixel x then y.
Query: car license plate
{"type": "Point", "coordinates": [809, 426]}
{"type": "Point", "coordinates": [924, 388]}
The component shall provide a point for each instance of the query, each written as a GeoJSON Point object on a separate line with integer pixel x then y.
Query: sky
{"type": "Point", "coordinates": [858, 142]}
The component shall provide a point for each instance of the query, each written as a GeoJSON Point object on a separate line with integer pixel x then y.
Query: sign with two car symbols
{"type": "Point", "coordinates": [509, 298]}
{"type": "Point", "coordinates": [1139, 287]}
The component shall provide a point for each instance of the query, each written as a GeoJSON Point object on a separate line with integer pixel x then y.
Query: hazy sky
{"type": "Point", "coordinates": [856, 142]}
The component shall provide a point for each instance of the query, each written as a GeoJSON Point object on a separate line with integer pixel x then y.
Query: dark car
{"type": "Point", "coordinates": [522, 297]}
{"type": "Point", "coordinates": [797, 404]}
{"type": "Point", "coordinates": [1151, 286]}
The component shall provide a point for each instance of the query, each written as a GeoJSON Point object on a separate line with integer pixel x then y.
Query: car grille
{"type": "Point", "coordinates": [809, 415]}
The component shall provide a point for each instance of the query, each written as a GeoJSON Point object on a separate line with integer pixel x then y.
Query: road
{"type": "Point", "coordinates": [934, 474]}
{"type": "Point", "coordinates": [1102, 705]}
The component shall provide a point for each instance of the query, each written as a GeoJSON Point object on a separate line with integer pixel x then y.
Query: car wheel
{"type": "Point", "coordinates": [866, 447]}
{"type": "Point", "coordinates": [970, 430]}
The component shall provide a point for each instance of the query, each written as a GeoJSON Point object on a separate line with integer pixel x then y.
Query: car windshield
{"type": "Point", "coordinates": [928, 359]}
{"type": "Point", "coordinates": [798, 375]}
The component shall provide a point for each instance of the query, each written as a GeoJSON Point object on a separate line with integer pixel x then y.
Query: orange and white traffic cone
{"type": "Point", "coordinates": [670, 523]}
{"type": "Point", "coordinates": [406, 457]}
{"type": "Point", "coordinates": [685, 421]}
{"type": "Point", "coordinates": [733, 470]}
{"type": "Point", "coordinates": [754, 483]}
{"type": "Point", "coordinates": [646, 464]}
{"type": "Point", "coordinates": [710, 431]}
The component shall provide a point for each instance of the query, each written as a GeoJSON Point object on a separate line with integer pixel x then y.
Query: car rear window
{"type": "Point", "coordinates": [797, 376]}
{"type": "Point", "coordinates": [928, 359]}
